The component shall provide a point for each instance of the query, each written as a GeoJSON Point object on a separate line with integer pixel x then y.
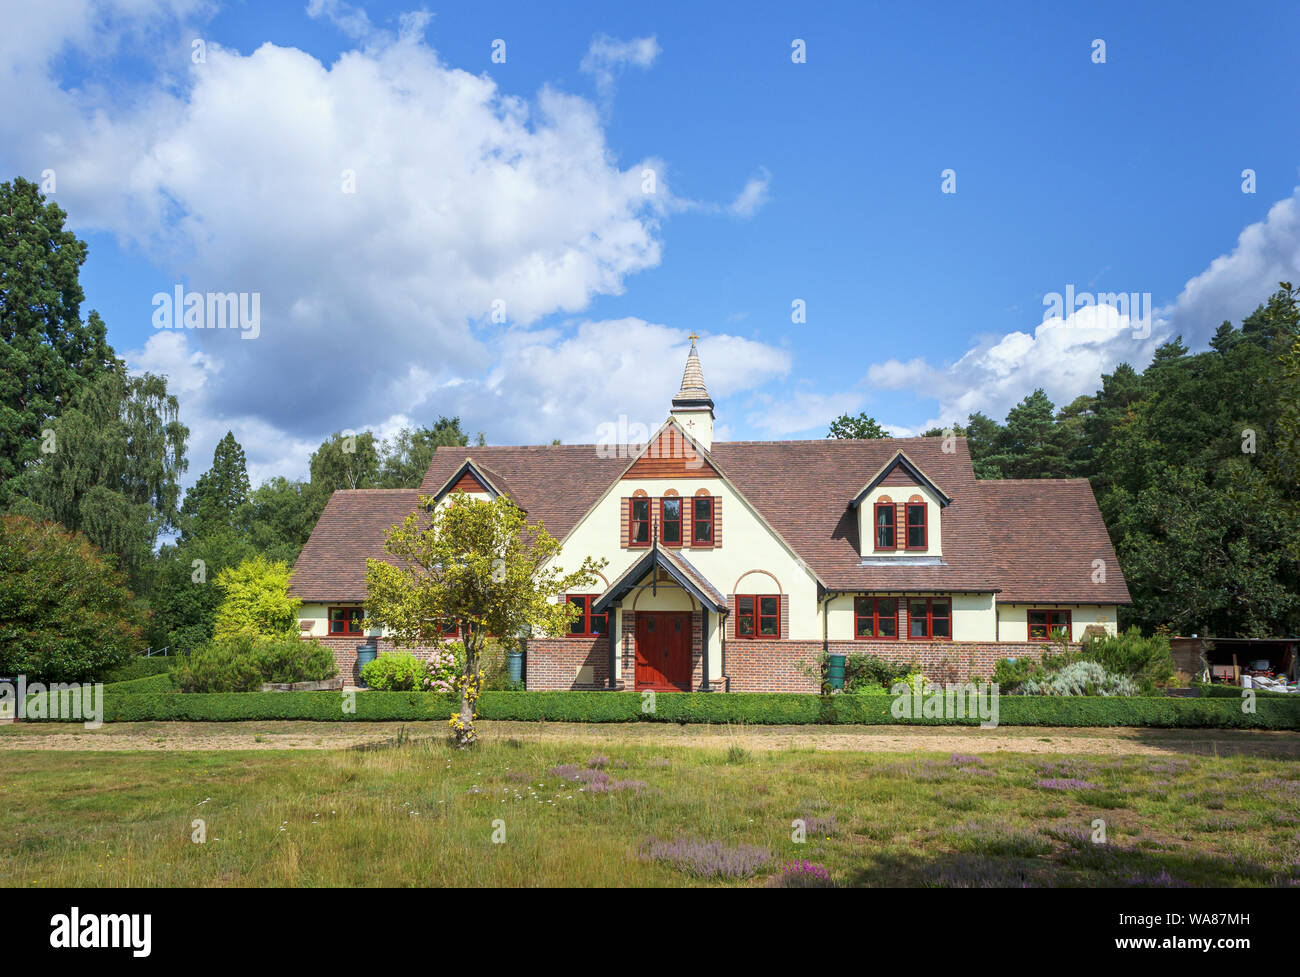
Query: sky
{"type": "Point", "coordinates": [517, 213]}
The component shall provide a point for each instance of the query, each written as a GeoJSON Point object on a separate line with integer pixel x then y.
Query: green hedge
{"type": "Point", "coordinates": [1234, 692]}
{"type": "Point", "coordinates": [139, 702]}
{"type": "Point", "coordinates": [151, 683]}
{"type": "Point", "coordinates": [139, 668]}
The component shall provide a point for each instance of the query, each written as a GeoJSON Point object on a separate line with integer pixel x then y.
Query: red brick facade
{"type": "Point", "coordinates": [345, 653]}
{"type": "Point", "coordinates": [757, 665]}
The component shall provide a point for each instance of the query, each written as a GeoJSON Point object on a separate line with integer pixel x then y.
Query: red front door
{"type": "Point", "coordinates": [663, 651]}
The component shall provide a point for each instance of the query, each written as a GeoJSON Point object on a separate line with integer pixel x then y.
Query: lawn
{"type": "Point", "coordinates": [414, 812]}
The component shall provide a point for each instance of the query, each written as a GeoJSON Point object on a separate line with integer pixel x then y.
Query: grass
{"type": "Point", "coordinates": [413, 812]}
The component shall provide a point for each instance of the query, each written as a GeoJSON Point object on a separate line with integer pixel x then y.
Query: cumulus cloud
{"type": "Point", "coordinates": [405, 225]}
{"type": "Point", "coordinates": [607, 56]}
{"type": "Point", "coordinates": [1067, 356]}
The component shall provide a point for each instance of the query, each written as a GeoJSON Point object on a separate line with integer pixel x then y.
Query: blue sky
{"type": "Point", "coordinates": [523, 181]}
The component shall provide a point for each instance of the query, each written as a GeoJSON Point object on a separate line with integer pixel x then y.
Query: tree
{"type": "Point", "coordinates": [217, 499]}
{"type": "Point", "coordinates": [345, 461]}
{"type": "Point", "coordinates": [282, 514]}
{"type": "Point", "coordinates": [256, 601]}
{"type": "Point", "coordinates": [184, 596]}
{"type": "Point", "coordinates": [46, 352]}
{"type": "Point", "coordinates": [66, 615]}
{"type": "Point", "coordinates": [117, 453]}
{"type": "Point", "coordinates": [477, 563]}
{"type": "Point", "coordinates": [1030, 445]}
{"type": "Point", "coordinates": [406, 458]}
{"type": "Point", "coordinates": [861, 427]}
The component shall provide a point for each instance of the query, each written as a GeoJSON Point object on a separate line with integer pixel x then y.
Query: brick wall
{"type": "Point", "coordinates": [345, 653]}
{"type": "Point", "coordinates": [756, 665]}
{"type": "Point", "coordinates": [764, 665]}
{"type": "Point", "coordinates": [553, 663]}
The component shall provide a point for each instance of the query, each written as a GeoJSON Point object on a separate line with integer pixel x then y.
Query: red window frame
{"type": "Point", "coordinates": [877, 528]}
{"type": "Point", "coordinates": [447, 628]}
{"type": "Point", "coordinates": [353, 621]}
{"type": "Point", "coordinates": [697, 520]}
{"type": "Point", "coordinates": [756, 616]}
{"type": "Point", "coordinates": [922, 525]}
{"type": "Point", "coordinates": [633, 523]}
{"type": "Point", "coordinates": [868, 609]}
{"type": "Point", "coordinates": [928, 617]}
{"type": "Point", "coordinates": [664, 521]}
{"type": "Point", "coordinates": [586, 621]}
{"type": "Point", "coordinates": [1048, 625]}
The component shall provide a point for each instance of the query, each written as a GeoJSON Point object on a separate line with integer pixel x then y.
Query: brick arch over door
{"type": "Point", "coordinates": [767, 573]}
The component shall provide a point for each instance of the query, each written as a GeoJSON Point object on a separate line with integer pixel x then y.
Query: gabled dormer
{"type": "Point", "coordinates": [472, 479]}
{"type": "Point", "coordinates": [900, 514]}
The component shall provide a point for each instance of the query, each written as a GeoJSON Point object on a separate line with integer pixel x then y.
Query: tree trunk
{"type": "Point", "coordinates": [466, 735]}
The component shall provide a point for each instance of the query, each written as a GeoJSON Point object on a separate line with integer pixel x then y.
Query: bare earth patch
{"type": "Point", "coordinates": [1105, 741]}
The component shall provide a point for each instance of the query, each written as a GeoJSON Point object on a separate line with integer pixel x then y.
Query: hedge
{"type": "Point", "coordinates": [1234, 692]}
{"type": "Point", "coordinates": [139, 668]}
{"type": "Point", "coordinates": [753, 708]}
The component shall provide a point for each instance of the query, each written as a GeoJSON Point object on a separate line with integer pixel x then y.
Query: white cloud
{"type": "Point", "coordinates": [607, 56]}
{"type": "Point", "coordinates": [1067, 357]}
{"type": "Point", "coordinates": [752, 196]}
{"type": "Point", "coordinates": [800, 411]}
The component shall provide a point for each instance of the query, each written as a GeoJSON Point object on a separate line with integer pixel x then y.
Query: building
{"type": "Point", "coordinates": [746, 561]}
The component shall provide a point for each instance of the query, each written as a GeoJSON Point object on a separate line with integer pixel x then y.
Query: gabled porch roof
{"type": "Point", "coordinates": [677, 567]}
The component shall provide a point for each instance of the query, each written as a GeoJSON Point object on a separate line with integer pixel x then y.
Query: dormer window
{"type": "Point", "coordinates": [917, 537]}
{"type": "Point", "coordinates": [670, 521]}
{"type": "Point", "coordinates": [639, 523]}
{"type": "Point", "coordinates": [884, 523]}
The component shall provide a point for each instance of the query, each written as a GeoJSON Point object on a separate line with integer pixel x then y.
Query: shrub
{"type": "Point", "coordinates": [1145, 660]}
{"type": "Point", "coordinates": [293, 660]}
{"type": "Point", "coordinates": [394, 672]}
{"type": "Point", "coordinates": [257, 600]}
{"type": "Point", "coordinates": [867, 673]}
{"type": "Point", "coordinates": [220, 666]}
{"type": "Point", "coordinates": [708, 859]}
{"type": "Point", "coordinates": [443, 668]}
{"type": "Point", "coordinates": [1081, 678]}
{"type": "Point", "coordinates": [66, 614]}
{"type": "Point", "coordinates": [803, 875]}
{"type": "Point", "coordinates": [138, 667]}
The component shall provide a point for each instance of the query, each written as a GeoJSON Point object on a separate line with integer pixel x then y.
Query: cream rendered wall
{"type": "Point", "coordinates": [1014, 623]}
{"type": "Point", "coordinates": [318, 614]}
{"type": "Point", "coordinates": [972, 616]}
{"type": "Point", "coordinates": [900, 493]}
{"type": "Point", "coordinates": [747, 544]}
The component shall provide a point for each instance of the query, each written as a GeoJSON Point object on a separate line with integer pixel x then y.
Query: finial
{"type": "Point", "coordinates": [692, 337]}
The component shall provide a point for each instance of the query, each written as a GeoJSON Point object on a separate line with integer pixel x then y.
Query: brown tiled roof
{"type": "Point", "coordinates": [556, 483]}
{"type": "Point", "coordinates": [1046, 533]}
{"type": "Point", "coordinates": [1025, 539]}
{"type": "Point", "coordinates": [803, 489]}
{"type": "Point", "coordinates": [332, 566]}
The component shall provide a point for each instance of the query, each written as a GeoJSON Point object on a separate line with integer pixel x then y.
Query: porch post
{"type": "Point", "coordinates": [704, 647]}
{"type": "Point", "coordinates": [615, 626]}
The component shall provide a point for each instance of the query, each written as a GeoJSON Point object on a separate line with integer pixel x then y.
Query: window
{"type": "Point", "coordinates": [587, 624]}
{"type": "Point", "coordinates": [929, 617]}
{"type": "Point", "coordinates": [1044, 625]}
{"type": "Point", "coordinates": [670, 521]}
{"type": "Point", "coordinates": [884, 525]}
{"type": "Point", "coordinates": [347, 620]}
{"type": "Point", "coordinates": [639, 523]}
{"type": "Point", "coordinates": [447, 628]}
{"type": "Point", "coordinates": [758, 616]}
{"type": "Point", "coordinates": [875, 617]}
{"type": "Point", "coordinates": [916, 530]}
{"type": "Point", "coordinates": [702, 521]}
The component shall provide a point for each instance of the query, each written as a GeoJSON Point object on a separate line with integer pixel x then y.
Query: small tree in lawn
{"type": "Point", "coordinates": [480, 565]}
